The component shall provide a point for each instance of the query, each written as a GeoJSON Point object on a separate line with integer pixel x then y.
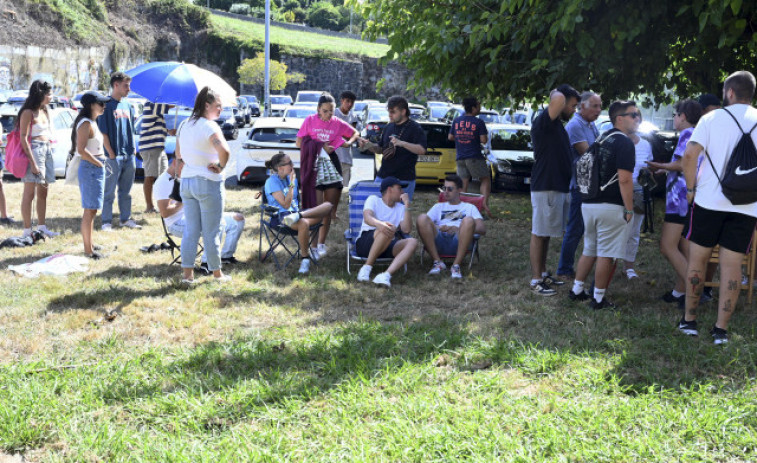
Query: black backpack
{"type": "Point", "coordinates": [739, 182]}
{"type": "Point", "coordinates": [588, 168]}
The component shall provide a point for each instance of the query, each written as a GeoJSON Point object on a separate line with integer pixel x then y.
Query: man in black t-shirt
{"type": "Point", "coordinates": [607, 216]}
{"type": "Point", "coordinates": [408, 139]}
{"type": "Point", "coordinates": [550, 183]}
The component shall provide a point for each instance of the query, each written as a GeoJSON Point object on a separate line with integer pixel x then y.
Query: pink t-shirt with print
{"type": "Point", "coordinates": [331, 132]}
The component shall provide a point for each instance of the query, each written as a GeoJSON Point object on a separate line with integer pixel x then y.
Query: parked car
{"type": "Point", "coordinates": [435, 110]}
{"type": "Point", "coordinates": [279, 103]}
{"type": "Point", "coordinates": [511, 155]}
{"type": "Point", "coordinates": [228, 122]}
{"type": "Point", "coordinates": [173, 119]}
{"type": "Point", "coordinates": [268, 136]}
{"type": "Point", "coordinates": [438, 162]}
{"type": "Point", "coordinates": [308, 96]}
{"type": "Point", "coordinates": [360, 105]}
{"type": "Point", "coordinates": [17, 98]}
{"type": "Point", "coordinates": [417, 112]}
{"type": "Point", "coordinates": [252, 100]}
{"type": "Point", "coordinates": [300, 111]}
{"type": "Point", "coordinates": [487, 115]}
{"type": "Point", "coordinates": [376, 118]}
{"type": "Point", "coordinates": [244, 115]}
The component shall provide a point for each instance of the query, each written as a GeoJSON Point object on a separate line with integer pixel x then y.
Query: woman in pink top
{"type": "Point", "coordinates": [323, 128]}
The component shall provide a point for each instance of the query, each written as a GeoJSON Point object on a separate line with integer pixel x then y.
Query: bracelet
{"type": "Point", "coordinates": [691, 190]}
{"type": "Point", "coordinates": [626, 211]}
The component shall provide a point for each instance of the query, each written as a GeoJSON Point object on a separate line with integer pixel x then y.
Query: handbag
{"type": "Point", "coordinates": [327, 172]}
{"type": "Point", "coordinates": [390, 150]}
{"type": "Point", "coordinates": [72, 171]}
{"type": "Point", "coordinates": [15, 159]}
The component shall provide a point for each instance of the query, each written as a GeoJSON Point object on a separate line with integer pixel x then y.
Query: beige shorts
{"type": "Point", "coordinates": [472, 168]}
{"type": "Point", "coordinates": [154, 161]}
{"type": "Point", "coordinates": [549, 213]}
{"type": "Point", "coordinates": [605, 230]}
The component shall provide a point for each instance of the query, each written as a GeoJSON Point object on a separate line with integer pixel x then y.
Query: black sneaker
{"type": "Point", "coordinates": [203, 267]}
{"type": "Point", "coordinates": [95, 255]}
{"type": "Point", "coordinates": [552, 281]}
{"type": "Point", "coordinates": [669, 298]}
{"type": "Point", "coordinates": [719, 336]}
{"type": "Point", "coordinates": [229, 260]}
{"type": "Point", "coordinates": [706, 295]}
{"type": "Point", "coordinates": [542, 289]}
{"type": "Point", "coordinates": [7, 221]}
{"type": "Point", "coordinates": [605, 304]}
{"type": "Point", "coordinates": [584, 296]}
{"type": "Point", "coordinates": [688, 328]}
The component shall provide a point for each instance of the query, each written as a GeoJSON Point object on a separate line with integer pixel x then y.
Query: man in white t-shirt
{"type": "Point", "coordinates": [713, 219]}
{"type": "Point", "coordinates": [384, 233]}
{"type": "Point", "coordinates": [344, 152]}
{"type": "Point", "coordinates": [166, 193]}
{"type": "Point", "coordinates": [448, 228]}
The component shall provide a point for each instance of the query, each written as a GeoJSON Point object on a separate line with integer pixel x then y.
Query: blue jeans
{"type": "Point", "coordinates": [203, 211]}
{"type": "Point", "coordinates": [409, 189]}
{"type": "Point", "coordinates": [232, 227]}
{"type": "Point", "coordinates": [119, 173]}
{"type": "Point", "coordinates": [573, 233]}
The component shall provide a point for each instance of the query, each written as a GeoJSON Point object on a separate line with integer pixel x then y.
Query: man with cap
{"type": "Point", "coordinates": [384, 233]}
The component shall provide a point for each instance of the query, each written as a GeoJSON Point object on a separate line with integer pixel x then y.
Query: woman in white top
{"type": "Point", "coordinates": [35, 134]}
{"type": "Point", "coordinates": [202, 147]}
{"type": "Point", "coordinates": [643, 155]}
{"type": "Point", "coordinates": [87, 140]}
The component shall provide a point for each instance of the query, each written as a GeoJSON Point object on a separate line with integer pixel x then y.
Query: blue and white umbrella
{"type": "Point", "coordinates": [177, 83]}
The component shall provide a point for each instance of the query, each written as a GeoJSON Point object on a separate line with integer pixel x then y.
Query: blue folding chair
{"type": "Point", "coordinates": [358, 193]}
{"type": "Point", "coordinates": [280, 237]}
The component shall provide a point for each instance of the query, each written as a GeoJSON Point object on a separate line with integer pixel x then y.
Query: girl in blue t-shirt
{"type": "Point", "coordinates": [281, 191]}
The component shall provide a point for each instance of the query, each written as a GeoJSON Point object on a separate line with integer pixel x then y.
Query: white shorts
{"type": "Point", "coordinates": [605, 230]}
{"type": "Point", "coordinates": [550, 213]}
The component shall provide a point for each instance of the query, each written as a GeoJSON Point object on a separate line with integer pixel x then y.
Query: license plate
{"type": "Point", "coordinates": [427, 158]}
{"type": "Point", "coordinates": [527, 180]}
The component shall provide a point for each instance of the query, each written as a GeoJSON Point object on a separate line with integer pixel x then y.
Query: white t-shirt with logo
{"type": "Point", "coordinates": [382, 212]}
{"type": "Point", "coordinates": [718, 133]}
{"type": "Point", "coordinates": [197, 151]}
{"type": "Point", "coordinates": [161, 190]}
{"type": "Point", "coordinates": [452, 215]}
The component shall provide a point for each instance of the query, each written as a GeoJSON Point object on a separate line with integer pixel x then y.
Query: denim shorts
{"type": "Point", "coordinates": [92, 184]}
{"type": "Point", "coordinates": [446, 243]}
{"type": "Point", "coordinates": [43, 155]}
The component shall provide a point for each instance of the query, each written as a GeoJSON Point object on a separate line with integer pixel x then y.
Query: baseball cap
{"type": "Point", "coordinates": [391, 181]}
{"type": "Point", "coordinates": [93, 97]}
{"type": "Point", "coordinates": [708, 99]}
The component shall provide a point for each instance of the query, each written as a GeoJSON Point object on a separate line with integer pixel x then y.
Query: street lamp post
{"type": "Point", "coordinates": [267, 91]}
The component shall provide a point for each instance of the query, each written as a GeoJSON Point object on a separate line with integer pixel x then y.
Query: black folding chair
{"type": "Point", "coordinates": [175, 247]}
{"type": "Point", "coordinates": [279, 237]}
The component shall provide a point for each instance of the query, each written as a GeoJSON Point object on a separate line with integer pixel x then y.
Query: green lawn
{"type": "Point", "coordinates": [298, 42]}
{"type": "Point", "coordinates": [273, 367]}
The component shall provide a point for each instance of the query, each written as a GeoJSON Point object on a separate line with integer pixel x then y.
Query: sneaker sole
{"type": "Point", "coordinates": [544, 293]}
{"type": "Point", "coordinates": [688, 332]}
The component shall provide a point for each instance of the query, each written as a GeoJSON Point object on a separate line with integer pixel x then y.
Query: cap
{"type": "Point", "coordinates": [93, 97]}
{"type": "Point", "coordinates": [391, 181]}
{"type": "Point", "coordinates": [708, 99]}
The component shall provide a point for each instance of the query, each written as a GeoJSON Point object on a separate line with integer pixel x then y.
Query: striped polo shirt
{"type": "Point", "coordinates": [153, 132]}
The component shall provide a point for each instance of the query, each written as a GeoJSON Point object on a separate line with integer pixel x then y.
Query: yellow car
{"type": "Point", "coordinates": [438, 162]}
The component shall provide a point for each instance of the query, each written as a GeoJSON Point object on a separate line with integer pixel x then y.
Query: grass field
{"type": "Point", "coordinates": [307, 43]}
{"type": "Point", "coordinates": [272, 367]}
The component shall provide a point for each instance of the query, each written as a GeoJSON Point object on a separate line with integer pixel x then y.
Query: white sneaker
{"type": "Point", "coordinates": [456, 274]}
{"type": "Point", "coordinates": [315, 255]}
{"type": "Point", "coordinates": [322, 250]}
{"type": "Point", "coordinates": [223, 278]}
{"type": "Point", "coordinates": [631, 274]}
{"type": "Point", "coordinates": [48, 233]}
{"type": "Point", "coordinates": [364, 274]}
{"type": "Point", "coordinates": [437, 268]}
{"type": "Point", "coordinates": [383, 278]}
{"type": "Point", "coordinates": [290, 219]}
{"type": "Point", "coordinates": [304, 267]}
{"type": "Point", "coordinates": [131, 224]}
{"type": "Point", "coordinates": [107, 227]}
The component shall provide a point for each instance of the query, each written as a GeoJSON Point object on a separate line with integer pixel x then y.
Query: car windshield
{"type": "Point", "coordinates": [359, 106]}
{"type": "Point", "coordinates": [436, 136]}
{"type": "Point", "coordinates": [489, 117]}
{"type": "Point", "coordinates": [250, 98]}
{"type": "Point", "coordinates": [510, 140]}
{"type": "Point", "coordinates": [300, 113]}
{"type": "Point", "coordinates": [437, 104]}
{"type": "Point", "coordinates": [308, 97]}
{"type": "Point", "coordinates": [274, 135]}
{"type": "Point", "coordinates": [438, 111]}
{"type": "Point", "coordinates": [378, 116]}
{"type": "Point", "coordinates": [281, 100]}
{"type": "Point", "coordinates": [226, 113]}
{"type": "Point", "coordinates": [416, 113]}
{"type": "Point", "coordinates": [517, 118]}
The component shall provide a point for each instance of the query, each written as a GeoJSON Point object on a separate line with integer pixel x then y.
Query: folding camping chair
{"type": "Point", "coordinates": [175, 247]}
{"type": "Point", "coordinates": [478, 201]}
{"type": "Point", "coordinates": [280, 237]}
{"type": "Point", "coordinates": [359, 192]}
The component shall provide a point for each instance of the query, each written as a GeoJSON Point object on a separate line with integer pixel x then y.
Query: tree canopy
{"type": "Point", "coordinates": [517, 50]}
{"type": "Point", "coordinates": [252, 72]}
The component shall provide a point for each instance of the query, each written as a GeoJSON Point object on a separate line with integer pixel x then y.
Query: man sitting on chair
{"type": "Point", "coordinates": [165, 190]}
{"type": "Point", "coordinates": [448, 228]}
{"type": "Point", "coordinates": [386, 222]}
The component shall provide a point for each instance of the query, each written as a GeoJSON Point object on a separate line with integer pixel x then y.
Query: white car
{"type": "Point", "coordinates": [268, 136]}
{"type": "Point", "coordinates": [510, 154]}
{"type": "Point", "coordinates": [279, 103]}
{"type": "Point", "coordinates": [300, 111]}
{"type": "Point", "coordinates": [307, 96]}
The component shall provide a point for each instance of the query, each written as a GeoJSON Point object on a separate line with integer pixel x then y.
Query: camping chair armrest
{"type": "Point", "coordinates": [347, 235]}
{"type": "Point", "coordinates": [269, 210]}
{"type": "Point", "coordinates": [476, 236]}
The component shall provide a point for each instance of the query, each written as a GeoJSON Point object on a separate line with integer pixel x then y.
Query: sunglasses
{"type": "Point", "coordinates": [448, 188]}
{"type": "Point", "coordinates": [633, 115]}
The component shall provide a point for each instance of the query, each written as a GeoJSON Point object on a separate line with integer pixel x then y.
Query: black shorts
{"type": "Point", "coordinates": [730, 230]}
{"type": "Point", "coordinates": [328, 186]}
{"type": "Point", "coordinates": [365, 241]}
{"type": "Point", "coordinates": [675, 218]}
